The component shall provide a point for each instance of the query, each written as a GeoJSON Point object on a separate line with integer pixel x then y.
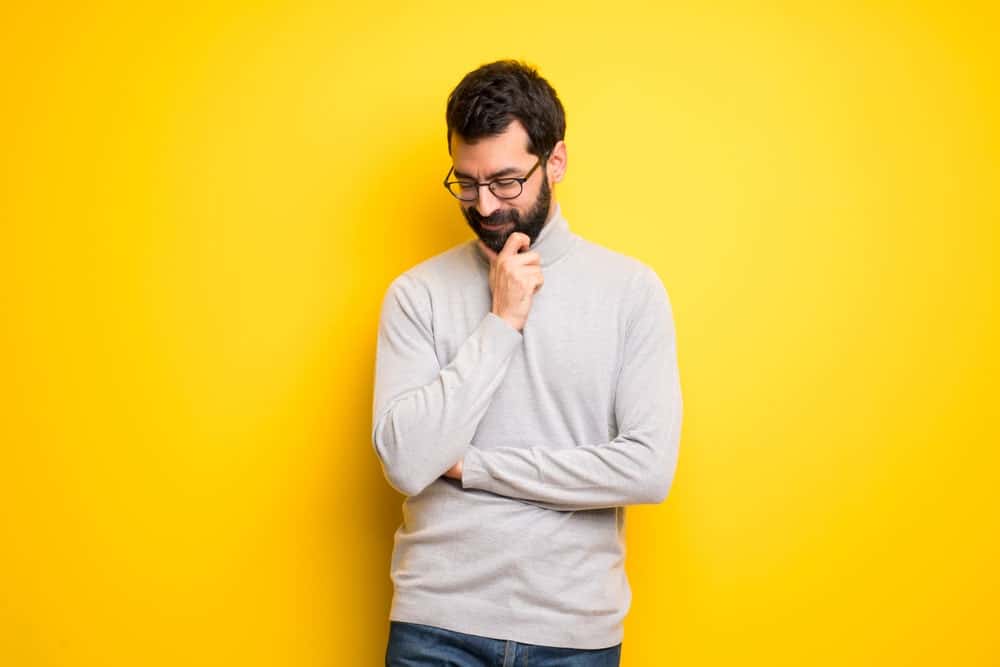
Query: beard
{"type": "Point", "coordinates": [531, 225]}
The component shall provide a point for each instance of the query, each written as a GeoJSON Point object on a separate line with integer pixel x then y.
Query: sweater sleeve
{"type": "Point", "coordinates": [637, 466]}
{"type": "Point", "coordinates": [425, 416]}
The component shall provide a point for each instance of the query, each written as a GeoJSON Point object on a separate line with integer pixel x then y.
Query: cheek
{"type": "Point", "coordinates": [527, 199]}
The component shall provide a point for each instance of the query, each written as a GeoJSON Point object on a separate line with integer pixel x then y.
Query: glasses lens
{"type": "Point", "coordinates": [506, 188]}
{"type": "Point", "coordinates": [464, 191]}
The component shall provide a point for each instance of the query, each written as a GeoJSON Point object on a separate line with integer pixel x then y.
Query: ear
{"type": "Point", "coordinates": [557, 162]}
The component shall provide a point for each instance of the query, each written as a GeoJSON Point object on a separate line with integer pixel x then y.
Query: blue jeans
{"type": "Point", "coordinates": [417, 645]}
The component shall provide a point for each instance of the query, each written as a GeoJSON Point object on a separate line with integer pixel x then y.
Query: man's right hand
{"type": "Point", "coordinates": [515, 276]}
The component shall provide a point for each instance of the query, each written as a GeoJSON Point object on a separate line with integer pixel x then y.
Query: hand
{"type": "Point", "coordinates": [515, 277]}
{"type": "Point", "coordinates": [455, 472]}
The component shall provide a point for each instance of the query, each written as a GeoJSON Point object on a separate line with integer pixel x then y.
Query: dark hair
{"type": "Point", "coordinates": [489, 98]}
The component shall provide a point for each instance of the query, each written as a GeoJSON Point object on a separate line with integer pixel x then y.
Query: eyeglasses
{"type": "Point", "coordinates": [502, 188]}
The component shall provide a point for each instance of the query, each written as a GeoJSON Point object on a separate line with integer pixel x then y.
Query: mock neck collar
{"type": "Point", "coordinates": [552, 243]}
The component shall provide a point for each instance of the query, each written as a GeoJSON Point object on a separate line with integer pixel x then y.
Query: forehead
{"type": "Point", "coordinates": [508, 149]}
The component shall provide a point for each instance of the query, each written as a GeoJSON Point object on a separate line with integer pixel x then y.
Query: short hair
{"type": "Point", "coordinates": [489, 98]}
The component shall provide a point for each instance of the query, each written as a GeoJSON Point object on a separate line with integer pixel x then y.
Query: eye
{"type": "Point", "coordinates": [506, 188]}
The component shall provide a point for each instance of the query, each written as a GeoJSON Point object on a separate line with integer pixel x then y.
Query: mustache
{"type": "Point", "coordinates": [495, 218]}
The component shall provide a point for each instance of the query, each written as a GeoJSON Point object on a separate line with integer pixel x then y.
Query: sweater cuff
{"type": "Point", "coordinates": [473, 474]}
{"type": "Point", "coordinates": [497, 326]}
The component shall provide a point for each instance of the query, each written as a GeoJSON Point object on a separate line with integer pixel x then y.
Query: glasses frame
{"type": "Point", "coordinates": [489, 184]}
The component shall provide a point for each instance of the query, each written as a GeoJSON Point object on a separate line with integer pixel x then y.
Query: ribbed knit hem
{"type": "Point", "coordinates": [534, 626]}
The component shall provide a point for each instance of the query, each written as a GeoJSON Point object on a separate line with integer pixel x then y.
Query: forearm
{"type": "Point", "coordinates": [421, 433]}
{"type": "Point", "coordinates": [638, 465]}
{"type": "Point", "coordinates": [628, 470]}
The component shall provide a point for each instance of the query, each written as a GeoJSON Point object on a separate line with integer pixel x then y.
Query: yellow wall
{"type": "Point", "coordinates": [202, 206]}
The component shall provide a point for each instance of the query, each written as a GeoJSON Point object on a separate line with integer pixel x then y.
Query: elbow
{"type": "Point", "coordinates": [404, 483]}
{"type": "Point", "coordinates": [660, 475]}
{"type": "Point", "coordinates": [654, 487]}
{"type": "Point", "coordinates": [657, 489]}
{"type": "Point", "coordinates": [400, 476]}
{"type": "Point", "coordinates": [399, 487]}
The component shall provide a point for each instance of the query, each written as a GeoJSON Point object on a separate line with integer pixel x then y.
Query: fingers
{"type": "Point", "coordinates": [513, 248]}
{"type": "Point", "coordinates": [515, 243]}
{"type": "Point", "coordinates": [515, 276]}
{"type": "Point", "coordinates": [531, 280]}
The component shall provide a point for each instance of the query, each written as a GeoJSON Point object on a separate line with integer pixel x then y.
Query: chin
{"type": "Point", "coordinates": [493, 242]}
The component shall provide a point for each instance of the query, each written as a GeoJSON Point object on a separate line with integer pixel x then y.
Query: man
{"type": "Point", "coordinates": [519, 420]}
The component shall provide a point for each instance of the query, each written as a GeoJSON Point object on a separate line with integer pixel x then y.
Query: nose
{"type": "Point", "coordinates": [486, 201]}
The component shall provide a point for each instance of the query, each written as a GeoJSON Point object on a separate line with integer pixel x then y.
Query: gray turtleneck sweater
{"type": "Point", "coordinates": [560, 426]}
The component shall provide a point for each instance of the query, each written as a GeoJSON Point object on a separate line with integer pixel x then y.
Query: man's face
{"type": "Point", "coordinates": [493, 219]}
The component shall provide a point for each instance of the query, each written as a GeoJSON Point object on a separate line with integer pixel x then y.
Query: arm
{"type": "Point", "coordinates": [638, 465]}
{"type": "Point", "coordinates": [425, 416]}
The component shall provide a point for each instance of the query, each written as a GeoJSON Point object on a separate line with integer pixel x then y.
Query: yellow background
{"type": "Point", "coordinates": [203, 203]}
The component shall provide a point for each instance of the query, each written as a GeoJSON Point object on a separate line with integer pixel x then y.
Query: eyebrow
{"type": "Point", "coordinates": [506, 171]}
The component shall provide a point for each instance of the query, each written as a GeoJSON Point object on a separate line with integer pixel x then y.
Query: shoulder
{"type": "Point", "coordinates": [454, 263]}
{"type": "Point", "coordinates": [632, 273]}
{"type": "Point", "coordinates": [633, 281]}
{"type": "Point", "coordinates": [449, 267]}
